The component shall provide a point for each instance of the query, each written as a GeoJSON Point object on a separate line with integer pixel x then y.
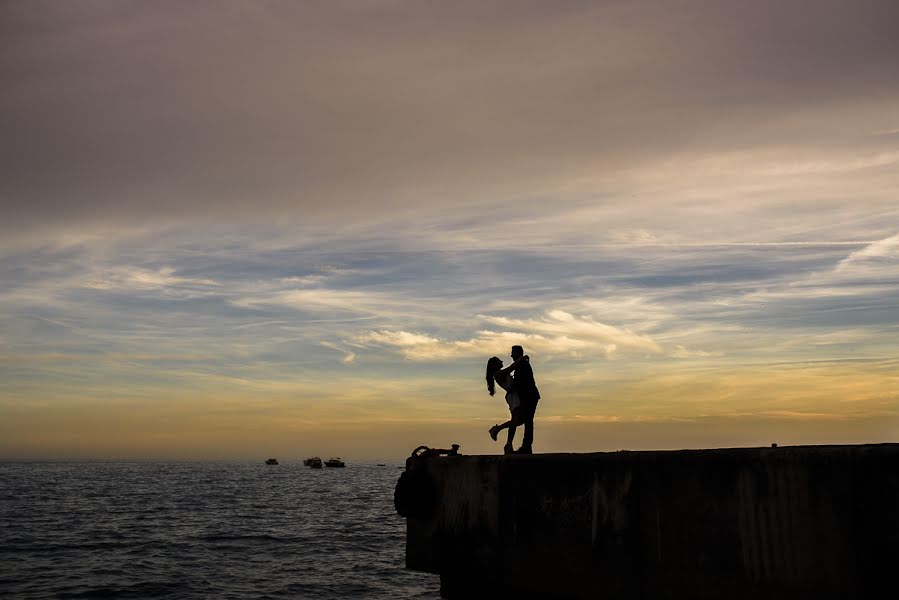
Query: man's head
{"type": "Point", "coordinates": [517, 352]}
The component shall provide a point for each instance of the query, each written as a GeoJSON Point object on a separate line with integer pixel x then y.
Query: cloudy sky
{"type": "Point", "coordinates": [242, 229]}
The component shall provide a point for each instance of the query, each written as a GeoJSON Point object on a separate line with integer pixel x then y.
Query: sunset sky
{"type": "Point", "coordinates": [245, 229]}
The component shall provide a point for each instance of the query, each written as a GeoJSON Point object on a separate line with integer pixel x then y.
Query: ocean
{"type": "Point", "coordinates": [203, 530]}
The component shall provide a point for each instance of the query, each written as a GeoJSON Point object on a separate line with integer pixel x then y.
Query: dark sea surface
{"type": "Point", "coordinates": [202, 530]}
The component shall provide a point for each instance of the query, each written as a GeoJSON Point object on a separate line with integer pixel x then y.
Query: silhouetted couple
{"type": "Point", "coordinates": [521, 396]}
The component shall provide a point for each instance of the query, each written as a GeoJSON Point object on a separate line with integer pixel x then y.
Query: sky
{"type": "Point", "coordinates": [235, 230]}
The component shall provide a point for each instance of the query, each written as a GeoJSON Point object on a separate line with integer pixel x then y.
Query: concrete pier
{"type": "Point", "coordinates": [791, 522]}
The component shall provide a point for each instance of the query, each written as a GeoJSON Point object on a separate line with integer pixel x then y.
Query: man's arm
{"type": "Point", "coordinates": [511, 367]}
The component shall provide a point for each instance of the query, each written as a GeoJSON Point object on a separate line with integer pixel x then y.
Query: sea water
{"type": "Point", "coordinates": [202, 530]}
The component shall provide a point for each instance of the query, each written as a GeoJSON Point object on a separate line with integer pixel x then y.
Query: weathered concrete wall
{"type": "Point", "coordinates": [791, 522]}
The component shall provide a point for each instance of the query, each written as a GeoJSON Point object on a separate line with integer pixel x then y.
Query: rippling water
{"type": "Point", "coordinates": [202, 530]}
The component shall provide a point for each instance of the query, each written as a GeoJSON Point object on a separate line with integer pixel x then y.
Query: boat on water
{"type": "Point", "coordinates": [272, 461]}
{"type": "Point", "coordinates": [315, 463]}
{"type": "Point", "coordinates": [308, 461]}
{"type": "Point", "coordinates": [335, 462]}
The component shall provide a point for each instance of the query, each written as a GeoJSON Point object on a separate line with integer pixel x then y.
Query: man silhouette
{"type": "Point", "coordinates": [523, 383]}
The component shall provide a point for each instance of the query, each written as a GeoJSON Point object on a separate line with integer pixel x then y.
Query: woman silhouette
{"type": "Point", "coordinates": [496, 373]}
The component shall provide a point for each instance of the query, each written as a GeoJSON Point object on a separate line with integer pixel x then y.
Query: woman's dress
{"type": "Point", "coordinates": [505, 382]}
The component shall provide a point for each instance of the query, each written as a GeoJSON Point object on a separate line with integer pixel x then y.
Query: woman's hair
{"type": "Point", "coordinates": [493, 365]}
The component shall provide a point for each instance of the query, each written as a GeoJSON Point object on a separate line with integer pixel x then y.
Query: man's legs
{"type": "Point", "coordinates": [528, 439]}
{"type": "Point", "coordinates": [528, 421]}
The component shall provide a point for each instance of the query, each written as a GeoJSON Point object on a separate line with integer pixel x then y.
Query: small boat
{"type": "Point", "coordinates": [335, 462]}
{"type": "Point", "coordinates": [272, 461]}
{"type": "Point", "coordinates": [308, 461]}
{"type": "Point", "coordinates": [315, 463]}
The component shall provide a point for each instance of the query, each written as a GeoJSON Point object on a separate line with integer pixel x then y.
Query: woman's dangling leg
{"type": "Point", "coordinates": [508, 448]}
{"type": "Point", "coordinates": [512, 425]}
{"type": "Point", "coordinates": [494, 431]}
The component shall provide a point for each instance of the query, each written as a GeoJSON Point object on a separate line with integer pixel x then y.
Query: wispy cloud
{"type": "Point", "coordinates": [563, 325]}
{"type": "Point", "coordinates": [348, 358]}
{"type": "Point", "coordinates": [137, 278]}
{"type": "Point", "coordinates": [556, 333]}
{"type": "Point", "coordinates": [885, 250]}
{"type": "Point", "coordinates": [847, 165]}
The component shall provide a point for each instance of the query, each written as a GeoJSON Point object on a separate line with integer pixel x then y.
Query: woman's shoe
{"type": "Point", "coordinates": [508, 449]}
{"type": "Point", "coordinates": [494, 431]}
